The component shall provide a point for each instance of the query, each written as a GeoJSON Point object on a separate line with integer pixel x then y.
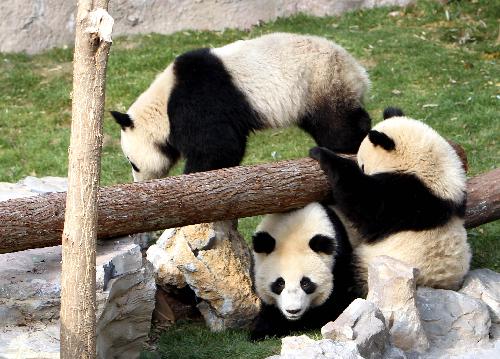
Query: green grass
{"type": "Point", "coordinates": [194, 341]}
{"type": "Point", "coordinates": [415, 59]}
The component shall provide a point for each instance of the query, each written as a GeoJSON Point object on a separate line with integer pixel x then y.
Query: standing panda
{"type": "Point", "coordinates": [301, 271]}
{"type": "Point", "coordinates": [205, 104]}
{"type": "Point", "coordinates": [405, 198]}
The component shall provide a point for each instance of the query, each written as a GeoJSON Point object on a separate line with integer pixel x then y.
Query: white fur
{"type": "Point", "coordinates": [285, 75]}
{"type": "Point", "coordinates": [293, 259]}
{"type": "Point", "coordinates": [151, 127]}
{"type": "Point", "coordinates": [442, 254]}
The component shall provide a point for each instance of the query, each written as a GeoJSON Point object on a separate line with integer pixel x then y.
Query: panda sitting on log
{"type": "Point", "coordinates": [405, 198]}
{"type": "Point", "coordinates": [206, 103]}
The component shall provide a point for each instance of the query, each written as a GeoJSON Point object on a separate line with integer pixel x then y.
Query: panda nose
{"type": "Point", "coordinates": [293, 311]}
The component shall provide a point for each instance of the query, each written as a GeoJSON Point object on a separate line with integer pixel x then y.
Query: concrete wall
{"type": "Point", "coordinates": [35, 25]}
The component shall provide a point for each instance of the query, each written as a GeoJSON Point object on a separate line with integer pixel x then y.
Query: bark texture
{"type": "Point", "coordinates": [483, 200]}
{"type": "Point", "coordinates": [78, 283]}
{"type": "Point", "coordinates": [201, 197]}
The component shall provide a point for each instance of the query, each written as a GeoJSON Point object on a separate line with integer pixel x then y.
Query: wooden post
{"type": "Point", "coordinates": [92, 43]}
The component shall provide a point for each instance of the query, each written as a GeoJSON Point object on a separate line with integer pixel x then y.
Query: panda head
{"type": "Point", "coordinates": [294, 255]}
{"type": "Point", "coordinates": [403, 145]}
{"type": "Point", "coordinates": [145, 146]}
{"type": "Point", "coordinates": [145, 129]}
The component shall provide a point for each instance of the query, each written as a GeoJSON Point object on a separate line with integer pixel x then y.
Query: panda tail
{"type": "Point", "coordinates": [393, 112]}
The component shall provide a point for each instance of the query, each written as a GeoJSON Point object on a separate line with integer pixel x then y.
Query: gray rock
{"type": "Point", "coordinates": [363, 323]}
{"type": "Point", "coordinates": [394, 353]}
{"type": "Point", "coordinates": [124, 314]}
{"type": "Point", "coordinates": [45, 184]}
{"type": "Point", "coordinates": [492, 352]}
{"type": "Point", "coordinates": [484, 284]}
{"type": "Point", "coordinates": [214, 260]}
{"type": "Point", "coordinates": [32, 186]}
{"type": "Point", "coordinates": [452, 319]}
{"type": "Point", "coordinates": [30, 286]}
{"type": "Point", "coordinates": [8, 191]}
{"type": "Point", "coordinates": [391, 286]}
{"type": "Point", "coordinates": [36, 341]}
{"type": "Point", "coordinates": [30, 301]}
{"type": "Point", "coordinates": [302, 347]}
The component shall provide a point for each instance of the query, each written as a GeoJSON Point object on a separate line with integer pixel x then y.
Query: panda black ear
{"type": "Point", "coordinates": [122, 119]}
{"type": "Point", "coordinates": [382, 140]}
{"type": "Point", "coordinates": [263, 242]}
{"type": "Point", "coordinates": [393, 112]}
{"type": "Point", "coordinates": [320, 243]}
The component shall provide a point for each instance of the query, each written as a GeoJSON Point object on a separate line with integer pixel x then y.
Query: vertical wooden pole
{"type": "Point", "coordinates": [78, 321]}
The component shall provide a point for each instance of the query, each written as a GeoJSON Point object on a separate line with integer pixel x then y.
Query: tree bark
{"type": "Point", "coordinates": [201, 197]}
{"type": "Point", "coordinates": [483, 201]}
{"type": "Point", "coordinates": [78, 321]}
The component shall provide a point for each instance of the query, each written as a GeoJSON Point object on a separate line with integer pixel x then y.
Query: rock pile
{"type": "Point", "coordinates": [30, 292]}
{"type": "Point", "coordinates": [398, 321]}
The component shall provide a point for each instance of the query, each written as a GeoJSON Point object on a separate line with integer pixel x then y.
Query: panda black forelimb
{"type": "Point", "coordinates": [373, 202]}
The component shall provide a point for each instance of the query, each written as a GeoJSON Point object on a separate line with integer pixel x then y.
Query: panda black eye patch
{"type": "Point", "coordinates": [136, 169]}
{"type": "Point", "coordinates": [263, 242]}
{"type": "Point", "coordinates": [278, 285]}
{"type": "Point", "coordinates": [307, 285]}
{"type": "Point", "coordinates": [321, 243]}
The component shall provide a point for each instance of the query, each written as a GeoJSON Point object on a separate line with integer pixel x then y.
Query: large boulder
{"type": "Point", "coordinates": [30, 301]}
{"type": "Point", "coordinates": [452, 319]}
{"type": "Point", "coordinates": [363, 323]}
{"type": "Point", "coordinates": [484, 284]}
{"type": "Point", "coordinates": [302, 347]}
{"type": "Point", "coordinates": [214, 261]}
{"type": "Point", "coordinates": [391, 287]}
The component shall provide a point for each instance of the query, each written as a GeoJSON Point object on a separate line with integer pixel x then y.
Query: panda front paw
{"type": "Point", "coordinates": [328, 162]}
{"type": "Point", "coordinates": [315, 153]}
{"type": "Point", "coordinates": [258, 335]}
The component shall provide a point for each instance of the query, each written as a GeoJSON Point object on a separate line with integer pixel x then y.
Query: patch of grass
{"type": "Point", "coordinates": [194, 341]}
{"type": "Point", "coordinates": [439, 63]}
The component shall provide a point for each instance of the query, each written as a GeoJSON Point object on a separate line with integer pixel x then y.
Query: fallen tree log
{"type": "Point", "coordinates": [483, 199]}
{"type": "Point", "coordinates": [200, 197]}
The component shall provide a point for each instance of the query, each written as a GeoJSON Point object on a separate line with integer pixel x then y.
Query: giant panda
{"type": "Point", "coordinates": [405, 198]}
{"type": "Point", "coordinates": [204, 105]}
{"type": "Point", "coordinates": [301, 271]}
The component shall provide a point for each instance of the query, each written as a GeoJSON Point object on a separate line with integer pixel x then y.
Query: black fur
{"type": "Point", "coordinates": [392, 112]}
{"type": "Point", "coordinates": [336, 128]}
{"type": "Point", "coordinates": [123, 120]}
{"type": "Point", "coordinates": [321, 243]}
{"type": "Point", "coordinates": [263, 242]}
{"type": "Point", "coordinates": [271, 322]}
{"type": "Point", "coordinates": [382, 140]}
{"type": "Point", "coordinates": [170, 151]}
{"type": "Point", "coordinates": [384, 203]}
{"type": "Point", "coordinates": [136, 169]}
{"type": "Point", "coordinates": [210, 118]}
